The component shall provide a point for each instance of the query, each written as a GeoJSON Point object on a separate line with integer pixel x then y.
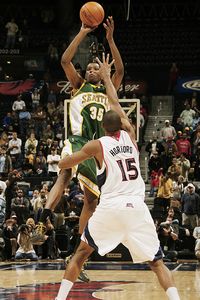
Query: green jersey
{"type": "Point", "coordinates": [86, 111]}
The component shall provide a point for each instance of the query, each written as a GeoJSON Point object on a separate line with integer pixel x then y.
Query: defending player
{"type": "Point", "coordinates": [121, 216]}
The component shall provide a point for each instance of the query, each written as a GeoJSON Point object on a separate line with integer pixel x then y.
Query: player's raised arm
{"type": "Point", "coordinates": [118, 63]}
{"type": "Point", "coordinates": [105, 69]}
{"type": "Point", "coordinates": [66, 60]}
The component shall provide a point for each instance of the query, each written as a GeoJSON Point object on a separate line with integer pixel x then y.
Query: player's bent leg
{"type": "Point", "coordinates": [54, 197]}
{"type": "Point", "coordinates": [75, 265]}
{"type": "Point", "coordinates": [56, 192]}
{"type": "Point", "coordinates": [89, 205]}
{"type": "Point", "coordinates": [73, 269]}
{"type": "Point", "coordinates": [165, 278]}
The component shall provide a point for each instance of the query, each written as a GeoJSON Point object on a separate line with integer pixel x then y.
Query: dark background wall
{"type": "Point", "coordinates": [150, 35]}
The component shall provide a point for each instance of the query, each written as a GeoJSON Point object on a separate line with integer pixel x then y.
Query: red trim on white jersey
{"type": "Point", "coordinates": [104, 159]}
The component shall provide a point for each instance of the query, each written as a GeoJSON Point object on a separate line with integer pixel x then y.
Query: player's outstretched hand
{"type": "Point", "coordinates": [109, 27]}
{"type": "Point", "coordinates": [105, 66]}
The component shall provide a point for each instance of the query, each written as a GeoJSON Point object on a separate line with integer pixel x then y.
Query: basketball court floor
{"type": "Point", "coordinates": [109, 281]}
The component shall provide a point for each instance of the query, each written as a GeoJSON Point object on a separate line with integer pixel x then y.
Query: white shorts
{"type": "Point", "coordinates": [133, 227]}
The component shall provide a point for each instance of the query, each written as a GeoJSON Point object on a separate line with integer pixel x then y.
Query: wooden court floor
{"type": "Point", "coordinates": [109, 281]}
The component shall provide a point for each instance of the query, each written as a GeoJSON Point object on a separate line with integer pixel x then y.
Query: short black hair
{"type": "Point", "coordinates": [111, 121]}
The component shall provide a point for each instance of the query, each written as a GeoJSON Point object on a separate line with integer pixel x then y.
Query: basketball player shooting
{"type": "Point", "coordinates": [87, 107]}
{"type": "Point", "coordinates": [121, 216]}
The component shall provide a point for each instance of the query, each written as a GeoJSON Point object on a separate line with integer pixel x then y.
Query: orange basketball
{"type": "Point", "coordinates": [92, 14]}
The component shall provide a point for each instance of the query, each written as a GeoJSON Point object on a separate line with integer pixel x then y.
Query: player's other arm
{"type": "Point", "coordinates": [118, 63]}
{"type": "Point", "coordinates": [105, 68]}
{"type": "Point", "coordinates": [66, 60]}
{"type": "Point", "coordinates": [91, 149]}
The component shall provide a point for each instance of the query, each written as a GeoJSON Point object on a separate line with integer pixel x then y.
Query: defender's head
{"type": "Point", "coordinates": [111, 122]}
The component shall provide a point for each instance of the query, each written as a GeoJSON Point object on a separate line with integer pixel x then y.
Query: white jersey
{"type": "Point", "coordinates": [122, 215]}
{"type": "Point", "coordinates": [120, 175]}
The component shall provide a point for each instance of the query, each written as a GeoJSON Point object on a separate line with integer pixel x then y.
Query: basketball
{"type": "Point", "coordinates": [92, 14]}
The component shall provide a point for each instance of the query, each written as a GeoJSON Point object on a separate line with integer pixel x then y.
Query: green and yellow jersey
{"type": "Point", "coordinates": [86, 111]}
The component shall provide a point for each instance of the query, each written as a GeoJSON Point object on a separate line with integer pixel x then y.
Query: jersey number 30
{"type": "Point", "coordinates": [129, 172]}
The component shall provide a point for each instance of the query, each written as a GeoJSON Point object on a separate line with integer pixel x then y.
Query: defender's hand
{"type": "Point", "coordinates": [105, 66]}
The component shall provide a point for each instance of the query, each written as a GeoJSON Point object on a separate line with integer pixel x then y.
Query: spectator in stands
{"type": "Point", "coordinates": [170, 152]}
{"type": "Point", "coordinates": [52, 97]}
{"type": "Point", "coordinates": [196, 235]}
{"type": "Point", "coordinates": [27, 167]}
{"type": "Point", "coordinates": [154, 146]}
{"type": "Point", "coordinates": [155, 162]}
{"type": "Point", "coordinates": [48, 133]}
{"type": "Point", "coordinates": [35, 96]}
{"type": "Point", "coordinates": [51, 109]}
{"type": "Point", "coordinates": [195, 141]}
{"type": "Point", "coordinates": [48, 248]}
{"type": "Point", "coordinates": [38, 203]}
{"type": "Point", "coordinates": [187, 116]}
{"type": "Point", "coordinates": [154, 181]}
{"type": "Point", "coordinates": [25, 250]}
{"type": "Point", "coordinates": [167, 131]}
{"type": "Point", "coordinates": [40, 164]}
{"type": "Point", "coordinates": [14, 147]}
{"type": "Point", "coordinates": [39, 116]}
{"type": "Point", "coordinates": [196, 121]}
{"type": "Point", "coordinates": [11, 188]}
{"type": "Point", "coordinates": [4, 140]}
{"type": "Point", "coordinates": [178, 125]}
{"type": "Point", "coordinates": [178, 188]}
{"type": "Point", "coordinates": [45, 187]}
{"type": "Point", "coordinates": [184, 165]}
{"type": "Point", "coordinates": [20, 205]}
{"type": "Point", "coordinates": [2, 205]}
{"type": "Point", "coordinates": [31, 141]}
{"type": "Point", "coordinates": [35, 195]}
{"type": "Point", "coordinates": [5, 162]}
{"type": "Point", "coordinates": [12, 29]}
{"type": "Point", "coordinates": [183, 145]}
{"type": "Point", "coordinates": [18, 104]}
{"type": "Point", "coordinates": [7, 121]}
{"type": "Point", "coordinates": [168, 235]}
{"type": "Point", "coordinates": [52, 162]}
{"type": "Point", "coordinates": [190, 206]}
{"type": "Point", "coordinates": [174, 169]}
{"type": "Point", "coordinates": [194, 102]}
{"type": "Point", "coordinates": [24, 121]}
{"type": "Point", "coordinates": [165, 191]}
{"type": "Point", "coordinates": [10, 238]}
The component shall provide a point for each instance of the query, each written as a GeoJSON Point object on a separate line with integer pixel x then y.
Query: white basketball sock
{"type": "Point", "coordinates": [64, 289]}
{"type": "Point", "coordinates": [172, 293]}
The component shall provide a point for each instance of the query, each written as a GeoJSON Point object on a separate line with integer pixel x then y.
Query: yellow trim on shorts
{"type": "Point", "coordinates": [89, 184]}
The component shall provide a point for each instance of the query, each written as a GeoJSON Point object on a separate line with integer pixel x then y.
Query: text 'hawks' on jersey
{"type": "Point", "coordinates": [120, 175]}
{"type": "Point", "coordinates": [86, 111]}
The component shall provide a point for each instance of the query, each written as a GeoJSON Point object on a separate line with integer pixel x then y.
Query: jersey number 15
{"type": "Point", "coordinates": [129, 172]}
